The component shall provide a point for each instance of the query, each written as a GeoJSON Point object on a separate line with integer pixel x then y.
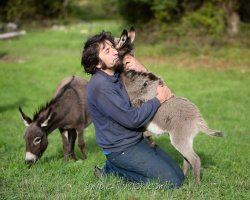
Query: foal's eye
{"type": "Point", "coordinates": [37, 140]}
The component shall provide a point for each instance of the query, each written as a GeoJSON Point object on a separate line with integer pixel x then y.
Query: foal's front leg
{"type": "Point", "coordinates": [68, 139]}
{"type": "Point", "coordinates": [148, 136]}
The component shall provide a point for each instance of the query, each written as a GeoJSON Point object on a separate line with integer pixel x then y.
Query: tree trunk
{"type": "Point", "coordinates": [232, 17]}
{"type": "Point", "coordinates": [10, 35]}
{"type": "Point", "coordinates": [233, 22]}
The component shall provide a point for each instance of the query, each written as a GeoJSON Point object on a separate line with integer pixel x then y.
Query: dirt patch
{"type": "Point", "coordinates": [192, 62]}
{"type": "Point", "coordinates": [5, 58]}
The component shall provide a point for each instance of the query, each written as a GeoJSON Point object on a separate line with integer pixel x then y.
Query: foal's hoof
{"type": "Point", "coordinates": [197, 182]}
{"type": "Point", "coordinates": [98, 172]}
{"type": "Point", "coordinates": [150, 141]}
{"type": "Point", "coordinates": [152, 145]}
{"type": "Point", "coordinates": [84, 156]}
{"type": "Point", "coordinates": [69, 158]}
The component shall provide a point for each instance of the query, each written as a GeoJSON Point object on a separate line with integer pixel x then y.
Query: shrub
{"type": "Point", "coordinates": [165, 10]}
{"type": "Point", "coordinates": [140, 11]}
{"type": "Point", "coordinates": [207, 19]}
{"type": "Point", "coordinates": [135, 11]}
{"type": "Point", "coordinates": [15, 10]}
{"type": "Point", "coordinates": [244, 10]}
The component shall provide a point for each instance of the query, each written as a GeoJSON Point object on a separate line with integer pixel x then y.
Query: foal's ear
{"type": "Point", "coordinates": [50, 115]}
{"type": "Point", "coordinates": [123, 38]}
{"type": "Point", "coordinates": [131, 34]}
{"type": "Point", "coordinates": [45, 122]}
{"type": "Point", "coordinates": [27, 121]}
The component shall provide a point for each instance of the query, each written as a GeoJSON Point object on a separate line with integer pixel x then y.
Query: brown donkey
{"type": "Point", "coordinates": [67, 111]}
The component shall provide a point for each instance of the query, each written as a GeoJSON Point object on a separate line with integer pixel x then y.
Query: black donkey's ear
{"type": "Point", "coordinates": [26, 120]}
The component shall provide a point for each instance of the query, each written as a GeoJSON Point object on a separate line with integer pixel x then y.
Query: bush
{"type": "Point", "coordinates": [244, 10]}
{"type": "Point", "coordinates": [16, 10]}
{"type": "Point", "coordinates": [135, 11]}
{"type": "Point", "coordinates": [141, 11]}
{"type": "Point", "coordinates": [165, 10]}
{"type": "Point", "coordinates": [207, 19]}
{"type": "Point", "coordinates": [91, 10]}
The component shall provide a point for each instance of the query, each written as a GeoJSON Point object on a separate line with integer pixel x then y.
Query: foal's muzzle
{"type": "Point", "coordinates": [30, 158]}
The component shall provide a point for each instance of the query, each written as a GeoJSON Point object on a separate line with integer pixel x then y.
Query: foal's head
{"type": "Point", "coordinates": [35, 134]}
{"type": "Point", "coordinates": [124, 44]}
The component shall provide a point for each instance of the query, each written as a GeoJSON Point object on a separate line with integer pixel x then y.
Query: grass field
{"type": "Point", "coordinates": [216, 80]}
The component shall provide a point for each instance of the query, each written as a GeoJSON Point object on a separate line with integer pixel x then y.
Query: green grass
{"type": "Point", "coordinates": [216, 80]}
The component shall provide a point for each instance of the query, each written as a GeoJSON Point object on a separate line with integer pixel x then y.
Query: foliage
{"type": "Point", "coordinates": [90, 10]}
{"type": "Point", "coordinates": [244, 10]}
{"type": "Point", "coordinates": [207, 16]}
{"type": "Point", "coordinates": [15, 10]}
{"type": "Point", "coordinates": [208, 19]}
{"type": "Point", "coordinates": [213, 17]}
{"type": "Point", "coordinates": [165, 10]}
{"type": "Point", "coordinates": [135, 11]}
{"type": "Point", "coordinates": [50, 8]}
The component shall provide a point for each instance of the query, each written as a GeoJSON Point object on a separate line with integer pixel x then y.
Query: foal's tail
{"type": "Point", "coordinates": [204, 128]}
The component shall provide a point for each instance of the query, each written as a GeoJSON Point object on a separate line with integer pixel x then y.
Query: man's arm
{"type": "Point", "coordinates": [111, 104]}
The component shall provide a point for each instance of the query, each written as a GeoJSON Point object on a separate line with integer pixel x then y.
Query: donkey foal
{"type": "Point", "coordinates": [67, 111]}
{"type": "Point", "coordinates": [178, 116]}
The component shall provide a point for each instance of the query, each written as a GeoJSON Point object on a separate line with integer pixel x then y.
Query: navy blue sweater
{"type": "Point", "coordinates": [117, 124]}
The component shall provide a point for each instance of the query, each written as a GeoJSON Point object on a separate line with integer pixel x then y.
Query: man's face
{"type": "Point", "coordinates": [109, 55]}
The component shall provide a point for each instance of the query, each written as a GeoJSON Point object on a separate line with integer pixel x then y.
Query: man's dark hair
{"type": "Point", "coordinates": [91, 49]}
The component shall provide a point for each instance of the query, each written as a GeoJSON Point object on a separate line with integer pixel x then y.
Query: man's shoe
{"type": "Point", "coordinates": [98, 172]}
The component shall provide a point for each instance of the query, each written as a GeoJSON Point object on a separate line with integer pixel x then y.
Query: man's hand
{"type": "Point", "coordinates": [163, 93]}
{"type": "Point", "coordinates": [131, 63]}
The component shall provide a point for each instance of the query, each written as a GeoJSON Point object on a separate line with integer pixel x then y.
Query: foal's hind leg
{"type": "Point", "coordinates": [184, 146]}
{"type": "Point", "coordinates": [186, 166]}
{"type": "Point", "coordinates": [81, 144]}
{"type": "Point", "coordinates": [72, 140]}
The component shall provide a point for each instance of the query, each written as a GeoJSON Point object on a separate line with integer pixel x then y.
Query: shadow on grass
{"type": "Point", "coordinates": [52, 158]}
{"type": "Point", "coordinates": [93, 151]}
{"type": "Point", "coordinates": [3, 54]}
{"type": "Point", "coordinates": [12, 105]}
{"type": "Point", "coordinates": [164, 143]}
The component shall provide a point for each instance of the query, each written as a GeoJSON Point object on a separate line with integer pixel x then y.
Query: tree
{"type": "Point", "coordinates": [205, 13]}
{"type": "Point", "coordinates": [232, 17]}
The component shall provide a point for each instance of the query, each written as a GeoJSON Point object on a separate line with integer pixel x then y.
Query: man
{"type": "Point", "coordinates": [118, 126]}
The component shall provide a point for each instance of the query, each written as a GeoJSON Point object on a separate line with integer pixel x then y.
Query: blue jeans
{"type": "Point", "coordinates": [142, 163]}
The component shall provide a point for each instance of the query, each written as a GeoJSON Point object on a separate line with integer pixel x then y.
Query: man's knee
{"type": "Point", "coordinates": [178, 182]}
{"type": "Point", "coordinates": [174, 180]}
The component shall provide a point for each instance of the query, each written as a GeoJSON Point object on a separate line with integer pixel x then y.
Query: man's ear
{"type": "Point", "coordinates": [99, 66]}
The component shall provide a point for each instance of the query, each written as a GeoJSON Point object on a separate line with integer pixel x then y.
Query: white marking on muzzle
{"type": "Point", "coordinates": [30, 156]}
{"type": "Point", "coordinates": [154, 128]}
